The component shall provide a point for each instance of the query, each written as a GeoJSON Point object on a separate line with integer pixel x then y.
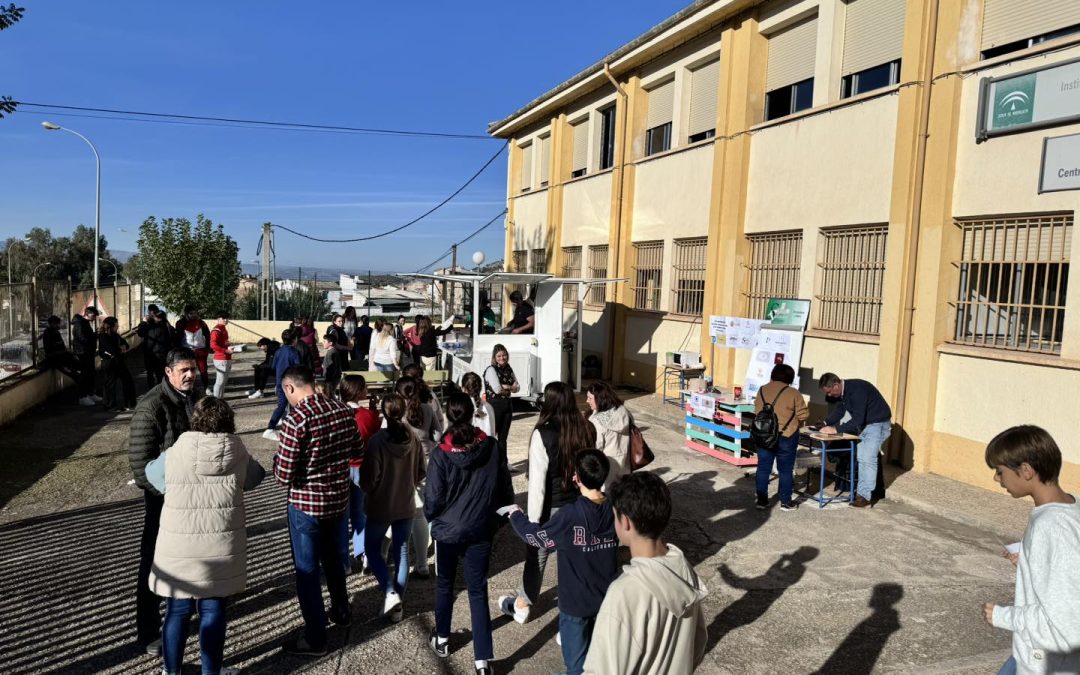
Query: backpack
{"type": "Point", "coordinates": [765, 429]}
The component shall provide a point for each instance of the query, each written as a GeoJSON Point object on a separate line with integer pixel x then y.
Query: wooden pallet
{"type": "Point", "coordinates": [719, 440]}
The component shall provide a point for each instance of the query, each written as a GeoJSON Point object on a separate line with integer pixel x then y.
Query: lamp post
{"type": "Point", "coordinates": [49, 126]}
{"type": "Point", "coordinates": [115, 274]}
{"type": "Point", "coordinates": [10, 299]}
{"type": "Point", "coordinates": [33, 275]}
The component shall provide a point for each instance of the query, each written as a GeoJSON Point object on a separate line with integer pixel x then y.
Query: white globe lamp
{"type": "Point", "coordinates": [478, 258]}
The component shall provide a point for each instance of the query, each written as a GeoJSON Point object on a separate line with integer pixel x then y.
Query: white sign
{"type": "Point", "coordinates": [717, 326]}
{"type": "Point", "coordinates": [772, 348]}
{"type": "Point", "coordinates": [1060, 164]}
{"type": "Point", "coordinates": [742, 333]}
{"type": "Point", "coordinates": [703, 405]}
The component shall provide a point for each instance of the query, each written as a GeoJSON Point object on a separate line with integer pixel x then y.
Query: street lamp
{"type": "Point", "coordinates": [115, 273]}
{"type": "Point", "coordinates": [10, 300]}
{"type": "Point", "coordinates": [49, 126]}
{"type": "Point", "coordinates": [33, 275]}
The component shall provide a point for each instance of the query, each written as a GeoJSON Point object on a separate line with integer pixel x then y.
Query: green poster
{"type": "Point", "coordinates": [787, 312]}
{"type": "Point", "coordinates": [1014, 102]}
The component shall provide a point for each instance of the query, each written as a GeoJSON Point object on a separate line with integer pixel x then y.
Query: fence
{"type": "Point", "coordinates": [27, 308]}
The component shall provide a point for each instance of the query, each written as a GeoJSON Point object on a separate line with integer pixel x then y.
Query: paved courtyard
{"type": "Point", "coordinates": [895, 589]}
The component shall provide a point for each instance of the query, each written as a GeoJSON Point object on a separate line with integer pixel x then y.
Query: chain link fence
{"type": "Point", "coordinates": [26, 309]}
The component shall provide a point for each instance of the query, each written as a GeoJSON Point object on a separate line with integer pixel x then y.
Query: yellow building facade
{"type": "Point", "coordinates": [828, 150]}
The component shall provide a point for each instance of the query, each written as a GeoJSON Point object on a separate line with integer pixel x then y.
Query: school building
{"type": "Point", "coordinates": [882, 158]}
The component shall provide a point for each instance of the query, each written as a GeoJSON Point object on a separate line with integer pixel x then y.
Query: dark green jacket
{"type": "Point", "coordinates": [161, 416]}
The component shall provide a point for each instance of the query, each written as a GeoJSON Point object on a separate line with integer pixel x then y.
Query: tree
{"type": "Point", "coordinates": [9, 16]}
{"type": "Point", "coordinates": [70, 257]}
{"type": "Point", "coordinates": [185, 264]}
{"type": "Point", "coordinates": [291, 304]}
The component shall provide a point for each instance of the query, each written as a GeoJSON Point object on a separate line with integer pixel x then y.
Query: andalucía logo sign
{"type": "Point", "coordinates": [1014, 102]}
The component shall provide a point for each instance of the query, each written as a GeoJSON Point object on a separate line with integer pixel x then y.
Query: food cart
{"type": "Point", "coordinates": [551, 352]}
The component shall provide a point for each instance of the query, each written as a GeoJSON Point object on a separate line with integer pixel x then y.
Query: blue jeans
{"type": "Point", "coordinates": [871, 439]}
{"type": "Point", "coordinates": [784, 455]}
{"type": "Point", "coordinates": [399, 548]}
{"type": "Point", "coordinates": [316, 542]}
{"type": "Point", "coordinates": [357, 516]}
{"type": "Point", "coordinates": [282, 406]}
{"type": "Point", "coordinates": [476, 555]}
{"type": "Point", "coordinates": [576, 634]}
{"type": "Point", "coordinates": [385, 368]}
{"type": "Point", "coordinates": [1009, 667]}
{"type": "Point", "coordinates": [174, 632]}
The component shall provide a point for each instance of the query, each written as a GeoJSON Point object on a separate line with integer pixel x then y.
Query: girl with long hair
{"type": "Point", "coordinates": [484, 417]}
{"type": "Point", "coordinates": [560, 433]}
{"type": "Point", "coordinates": [393, 469]}
{"type": "Point", "coordinates": [353, 392]}
{"type": "Point", "coordinates": [383, 354]}
{"type": "Point", "coordinates": [612, 422]}
{"type": "Point", "coordinates": [500, 383]}
{"type": "Point", "coordinates": [429, 346]}
{"type": "Point", "coordinates": [427, 397]}
{"type": "Point", "coordinates": [467, 481]}
{"type": "Point", "coordinates": [420, 418]}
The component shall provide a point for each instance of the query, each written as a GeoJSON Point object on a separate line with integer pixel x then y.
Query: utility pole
{"type": "Point", "coordinates": [453, 288]}
{"type": "Point", "coordinates": [264, 278]}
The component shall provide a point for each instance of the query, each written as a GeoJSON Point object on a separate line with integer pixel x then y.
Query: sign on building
{"type": "Point", "coordinates": [1060, 164]}
{"type": "Point", "coordinates": [1034, 99]}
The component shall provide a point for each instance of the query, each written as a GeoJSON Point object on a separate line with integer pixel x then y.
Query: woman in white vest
{"type": "Point", "coordinates": [201, 554]}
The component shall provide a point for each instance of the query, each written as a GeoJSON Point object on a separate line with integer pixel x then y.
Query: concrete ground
{"type": "Point", "coordinates": [895, 589]}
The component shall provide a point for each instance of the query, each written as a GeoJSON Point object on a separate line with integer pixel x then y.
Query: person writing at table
{"type": "Point", "coordinates": [861, 410]}
{"type": "Point", "coordinates": [524, 320]}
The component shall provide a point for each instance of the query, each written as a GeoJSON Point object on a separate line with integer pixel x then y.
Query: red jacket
{"type": "Point", "coordinates": [219, 342]}
{"type": "Point", "coordinates": [368, 422]}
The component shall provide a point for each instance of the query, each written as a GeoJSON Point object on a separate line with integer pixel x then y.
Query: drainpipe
{"type": "Point", "coordinates": [912, 252]}
{"type": "Point", "coordinates": [618, 170]}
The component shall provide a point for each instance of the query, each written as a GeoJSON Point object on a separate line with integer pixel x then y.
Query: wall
{"type": "Point", "coordinates": [530, 220]}
{"type": "Point", "coordinates": [658, 213]}
{"type": "Point", "coordinates": [586, 212]}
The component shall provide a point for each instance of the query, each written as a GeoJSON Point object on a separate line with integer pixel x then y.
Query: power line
{"type": "Point", "coordinates": [296, 126]}
{"type": "Point", "coordinates": [451, 249]}
{"type": "Point", "coordinates": [411, 222]}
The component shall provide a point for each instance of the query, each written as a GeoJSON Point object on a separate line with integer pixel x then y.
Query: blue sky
{"type": "Point", "coordinates": [431, 66]}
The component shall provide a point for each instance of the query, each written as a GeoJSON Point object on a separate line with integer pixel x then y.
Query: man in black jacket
{"type": "Point", "coordinates": [56, 353]}
{"type": "Point", "coordinates": [84, 346]}
{"type": "Point", "coordinates": [265, 370]}
{"type": "Point", "coordinates": [161, 416]}
{"type": "Point", "coordinates": [860, 410]}
{"type": "Point", "coordinates": [157, 337]}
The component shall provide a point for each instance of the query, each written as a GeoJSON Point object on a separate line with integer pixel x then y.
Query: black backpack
{"type": "Point", "coordinates": [765, 429]}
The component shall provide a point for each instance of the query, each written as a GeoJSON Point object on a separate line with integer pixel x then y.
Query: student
{"type": "Point", "coordinates": [56, 353]}
{"type": "Point", "coordinates": [264, 370]}
{"type": "Point", "coordinates": [499, 384]}
{"type": "Point", "coordinates": [584, 535]}
{"type": "Point", "coordinates": [193, 333]}
{"type": "Point", "coordinates": [427, 397]}
{"type": "Point", "coordinates": [466, 482]}
{"type": "Point", "coordinates": [484, 417]}
{"type": "Point", "coordinates": [353, 392]}
{"type": "Point", "coordinates": [84, 346]}
{"type": "Point", "coordinates": [285, 358]}
{"type": "Point", "coordinates": [612, 422]}
{"type": "Point", "coordinates": [790, 411]}
{"type": "Point", "coordinates": [201, 554]}
{"type": "Point", "coordinates": [651, 619]}
{"type": "Point", "coordinates": [394, 467]}
{"type": "Point", "coordinates": [112, 348]}
{"type": "Point", "coordinates": [422, 421]}
{"type": "Point", "coordinates": [219, 343]}
{"type": "Point", "coordinates": [362, 343]}
{"type": "Point", "coordinates": [1045, 619]}
{"type": "Point", "coordinates": [383, 354]}
{"type": "Point", "coordinates": [560, 433]}
{"type": "Point", "coordinates": [428, 349]}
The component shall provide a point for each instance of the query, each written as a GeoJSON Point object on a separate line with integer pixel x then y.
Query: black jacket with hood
{"type": "Point", "coordinates": [464, 487]}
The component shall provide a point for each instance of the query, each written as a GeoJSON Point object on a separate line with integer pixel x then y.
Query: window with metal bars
{"type": "Point", "coordinates": [688, 276]}
{"type": "Point", "coordinates": [852, 264]}
{"type": "Point", "coordinates": [598, 269]}
{"type": "Point", "coordinates": [648, 274]}
{"type": "Point", "coordinates": [1014, 274]}
{"type": "Point", "coordinates": [539, 261]}
{"type": "Point", "coordinates": [775, 260]}
{"type": "Point", "coordinates": [571, 268]}
{"type": "Point", "coordinates": [521, 261]}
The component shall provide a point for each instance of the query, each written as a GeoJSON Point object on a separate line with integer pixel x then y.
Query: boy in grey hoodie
{"type": "Point", "coordinates": [651, 619]}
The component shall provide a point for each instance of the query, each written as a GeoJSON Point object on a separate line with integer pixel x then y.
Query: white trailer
{"type": "Point", "coordinates": [547, 354]}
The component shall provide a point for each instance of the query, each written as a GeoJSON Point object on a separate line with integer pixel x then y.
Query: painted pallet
{"type": "Point", "coordinates": [718, 440]}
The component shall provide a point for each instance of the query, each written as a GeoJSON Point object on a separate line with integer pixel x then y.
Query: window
{"type": "Point", "coordinates": [526, 167]}
{"type": "Point", "coordinates": [521, 261]}
{"type": "Point", "coordinates": [873, 43]}
{"type": "Point", "coordinates": [1014, 273]}
{"type": "Point", "coordinates": [852, 264]}
{"type": "Point", "coordinates": [704, 84]}
{"type": "Point", "coordinates": [581, 148]}
{"type": "Point", "coordinates": [870, 79]}
{"type": "Point", "coordinates": [789, 77]}
{"type": "Point", "coordinates": [539, 261]}
{"type": "Point", "coordinates": [775, 262]}
{"type": "Point", "coordinates": [545, 160]}
{"type": "Point", "coordinates": [648, 272]}
{"type": "Point", "coordinates": [607, 137]}
{"type": "Point", "coordinates": [688, 276]}
{"type": "Point", "coordinates": [571, 269]}
{"type": "Point", "coordinates": [1011, 25]}
{"type": "Point", "coordinates": [658, 120]}
{"type": "Point", "coordinates": [598, 261]}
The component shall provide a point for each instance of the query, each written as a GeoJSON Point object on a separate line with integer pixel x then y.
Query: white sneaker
{"type": "Point", "coordinates": [558, 639]}
{"type": "Point", "coordinates": [97, 399]}
{"type": "Point", "coordinates": [257, 394]}
{"type": "Point", "coordinates": [270, 435]}
{"type": "Point", "coordinates": [508, 606]}
{"type": "Point", "coordinates": [392, 601]}
{"type": "Point", "coordinates": [87, 401]}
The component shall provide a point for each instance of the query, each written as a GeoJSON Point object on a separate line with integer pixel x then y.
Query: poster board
{"type": "Point", "coordinates": [703, 405]}
{"type": "Point", "coordinates": [773, 347]}
{"type": "Point", "coordinates": [734, 332]}
{"type": "Point", "coordinates": [788, 312]}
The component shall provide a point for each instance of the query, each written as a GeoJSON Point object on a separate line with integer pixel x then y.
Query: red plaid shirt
{"type": "Point", "coordinates": [316, 440]}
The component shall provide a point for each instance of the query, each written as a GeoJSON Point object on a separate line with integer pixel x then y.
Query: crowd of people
{"type": "Point", "coordinates": [372, 482]}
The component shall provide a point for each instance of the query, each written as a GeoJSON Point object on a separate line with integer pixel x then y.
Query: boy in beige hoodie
{"type": "Point", "coordinates": [651, 619]}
